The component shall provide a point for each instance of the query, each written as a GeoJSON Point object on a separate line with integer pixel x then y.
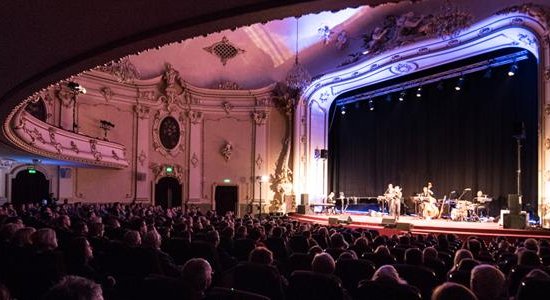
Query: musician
{"type": "Point", "coordinates": [429, 203]}
{"type": "Point", "coordinates": [388, 195]}
{"type": "Point", "coordinates": [343, 203]}
{"type": "Point", "coordinates": [430, 189]}
{"type": "Point", "coordinates": [330, 200]}
{"type": "Point", "coordinates": [395, 202]}
{"type": "Point", "coordinates": [479, 200]}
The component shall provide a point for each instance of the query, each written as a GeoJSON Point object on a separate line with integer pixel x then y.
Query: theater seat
{"type": "Point", "coordinates": [377, 290]}
{"type": "Point", "coordinates": [421, 277]}
{"type": "Point", "coordinates": [352, 271]}
{"type": "Point", "coordinates": [304, 285]}
{"type": "Point", "coordinates": [219, 293]}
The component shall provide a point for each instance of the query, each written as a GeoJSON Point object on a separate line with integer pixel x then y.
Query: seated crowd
{"type": "Point", "coordinates": [134, 251]}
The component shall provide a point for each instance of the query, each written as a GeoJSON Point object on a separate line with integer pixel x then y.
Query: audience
{"type": "Point", "coordinates": [115, 247]}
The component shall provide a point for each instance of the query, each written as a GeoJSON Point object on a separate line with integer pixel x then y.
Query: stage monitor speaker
{"type": "Point", "coordinates": [324, 153]}
{"type": "Point", "coordinates": [301, 209]}
{"type": "Point", "coordinates": [512, 221]}
{"type": "Point", "coordinates": [333, 221]}
{"type": "Point", "coordinates": [513, 204]}
{"type": "Point", "coordinates": [404, 226]}
{"type": "Point", "coordinates": [388, 222]}
{"type": "Point", "coordinates": [304, 199]}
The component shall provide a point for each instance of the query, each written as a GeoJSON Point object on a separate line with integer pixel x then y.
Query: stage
{"type": "Point", "coordinates": [420, 226]}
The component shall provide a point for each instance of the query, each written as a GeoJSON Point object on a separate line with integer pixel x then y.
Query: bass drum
{"type": "Point", "coordinates": [458, 214]}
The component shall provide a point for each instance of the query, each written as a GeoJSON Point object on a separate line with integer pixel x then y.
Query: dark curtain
{"type": "Point", "coordinates": [454, 139]}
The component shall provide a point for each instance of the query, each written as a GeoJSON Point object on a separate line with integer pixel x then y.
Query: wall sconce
{"type": "Point", "coordinates": [106, 126]}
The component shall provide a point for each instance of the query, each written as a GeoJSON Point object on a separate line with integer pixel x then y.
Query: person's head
{"type": "Point", "coordinates": [197, 272]}
{"type": "Point", "coordinates": [323, 263]}
{"type": "Point", "coordinates": [63, 222]}
{"type": "Point", "coordinates": [213, 237]}
{"type": "Point", "coordinates": [479, 193]}
{"type": "Point", "coordinates": [460, 255]}
{"type": "Point", "coordinates": [4, 293]}
{"type": "Point", "coordinates": [382, 250]}
{"type": "Point", "coordinates": [429, 253]}
{"type": "Point", "coordinates": [487, 282]}
{"type": "Point", "coordinates": [413, 256]}
{"type": "Point", "coordinates": [337, 241]}
{"type": "Point", "coordinates": [23, 236]}
{"type": "Point", "coordinates": [152, 239]}
{"type": "Point", "coordinates": [528, 258]}
{"type": "Point", "coordinates": [261, 255]}
{"type": "Point", "coordinates": [45, 239]}
{"type": "Point", "coordinates": [75, 287]}
{"type": "Point", "coordinates": [132, 238]}
{"type": "Point", "coordinates": [387, 273]}
{"type": "Point", "coordinates": [531, 244]}
{"type": "Point", "coordinates": [452, 291]}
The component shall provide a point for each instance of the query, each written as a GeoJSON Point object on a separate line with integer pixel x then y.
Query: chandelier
{"type": "Point", "coordinates": [298, 78]}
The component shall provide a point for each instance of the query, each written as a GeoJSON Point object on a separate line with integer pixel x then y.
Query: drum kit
{"type": "Point", "coordinates": [460, 210]}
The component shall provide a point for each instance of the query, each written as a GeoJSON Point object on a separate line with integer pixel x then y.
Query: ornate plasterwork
{"type": "Point", "coordinates": [93, 149]}
{"type": "Point", "coordinates": [142, 157]}
{"type": "Point", "coordinates": [224, 50]}
{"type": "Point", "coordinates": [159, 171]}
{"type": "Point", "coordinates": [408, 28]}
{"type": "Point", "coordinates": [157, 144]}
{"type": "Point", "coordinates": [547, 143]}
{"type": "Point", "coordinates": [142, 111]}
{"type": "Point", "coordinates": [259, 117]}
{"type": "Point", "coordinates": [6, 163]}
{"type": "Point", "coordinates": [194, 160]}
{"type": "Point", "coordinates": [122, 69]}
{"type": "Point", "coordinates": [174, 89]}
{"type": "Point", "coordinates": [107, 93]}
{"type": "Point", "coordinates": [66, 96]}
{"type": "Point", "coordinates": [542, 13]}
{"type": "Point", "coordinates": [259, 162]}
{"type": "Point", "coordinates": [227, 107]}
{"type": "Point", "coordinates": [228, 85]}
{"type": "Point", "coordinates": [146, 96]}
{"type": "Point", "coordinates": [226, 151]}
{"type": "Point", "coordinates": [547, 73]}
{"type": "Point", "coordinates": [195, 116]}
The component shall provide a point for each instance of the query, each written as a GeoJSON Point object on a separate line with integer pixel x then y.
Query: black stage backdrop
{"type": "Point", "coordinates": [455, 140]}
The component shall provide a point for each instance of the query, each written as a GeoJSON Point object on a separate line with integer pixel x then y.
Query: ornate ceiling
{"type": "Point", "coordinates": [45, 43]}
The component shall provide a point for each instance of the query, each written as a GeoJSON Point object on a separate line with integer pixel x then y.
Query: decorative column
{"type": "Point", "coordinates": [5, 167]}
{"type": "Point", "coordinates": [195, 156]}
{"type": "Point", "coordinates": [142, 150]}
{"type": "Point", "coordinates": [259, 117]}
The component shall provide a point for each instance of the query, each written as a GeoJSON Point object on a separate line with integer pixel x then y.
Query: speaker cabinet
{"type": "Point", "coordinates": [304, 199]}
{"type": "Point", "coordinates": [301, 209]}
{"type": "Point", "coordinates": [513, 204]}
{"type": "Point", "coordinates": [388, 222]}
{"type": "Point", "coordinates": [332, 221]}
{"type": "Point", "coordinates": [511, 221]}
{"type": "Point", "coordinates": [404, 226]}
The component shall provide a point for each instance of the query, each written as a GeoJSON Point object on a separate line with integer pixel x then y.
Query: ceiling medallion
{"type": "Point", "coordinates": [224, 50]}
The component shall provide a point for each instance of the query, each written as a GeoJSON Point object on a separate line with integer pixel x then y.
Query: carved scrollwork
{"type": "Point", "coordinates": [194, 160]}
{"type": "Point", "coordinates": [259, 117]}
{"type": "Point", "coordinates": [159, 171]}
{"type": "Point", "coordinates": [93, 149]}
{"type": "Point", "coordinates": [115, 156]}
{"type": "Point", "coordinates": [259, 162]}
{"type": "Point", "coordinates": [146, 96]}
{"type": "Point", "coordinates": [142, 157]}
{"type": "Point", "coordinates": [228, 85]}
{"type": "Point", "coordinates": [65, 95]}
{"type": "Point", "coordinates": [226, 151]}
{"type": "Point", "coordinates": [142, 111]}
{"type": "Point", "coordinates": [547, 74]}
{"type": "Point", "coordinates": [195, 116]}
{"type": "Point", "coordinates": [74, 147]}
{"type": "Point", "coordinates": [547, 143]}
{"type": "Point", "coordinates": [6, 163]}
{"type": "Point", "coordinates": [53, 142]}
{"type": "Point", "coordinates": [122, 69]}
{"type": "Point", "coordinates": [227, 107]}
{"type": "Point", "coordinates": [107, 93]}
{"type": "Point", "coordinates": [540, 12]}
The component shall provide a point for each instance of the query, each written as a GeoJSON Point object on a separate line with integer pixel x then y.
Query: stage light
{"type": "Point", "coordinates": [402, 96]}
{"type": "Point", "coordinates": [513, 70]}
{"type": "Point", "coordinates": [371, 105]}
{"type": "Point", "coordinates": [459, 83]}
{"type": "Point", "coordinates": [419, 92]}
{"type": "Point", "coordinates": [343, 110]}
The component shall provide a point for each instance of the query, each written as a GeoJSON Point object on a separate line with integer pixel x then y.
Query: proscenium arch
{"type": "Point", "coordinates": [514, 28]}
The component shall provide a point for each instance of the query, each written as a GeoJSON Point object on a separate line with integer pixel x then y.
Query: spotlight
{"type": "Point", "coordinates": [77, 88]}
{"type": "Point", "coordinates": [343, 110]}
{"type": "Point", "coordinates": [402, 96]}
{"type": "Point", "coordinates": [513, 70]}
{"type": "Point", "coordinates": [371, 105]}
{"type": "Point", "coordinates": [419, 92]}
{"type": "Point", "coordinates": [459, 83]}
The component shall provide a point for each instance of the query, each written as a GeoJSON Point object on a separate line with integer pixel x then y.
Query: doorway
{"type": "Point", "coordinates": [29, 187]}
{"type": "Point", "coordinates": [168, 192]}
{"type": "Point", "coordinates": [227, 198]}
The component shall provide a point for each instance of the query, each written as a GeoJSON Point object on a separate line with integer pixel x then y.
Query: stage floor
{"type": "Point", "coordinates": [421, 226]}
